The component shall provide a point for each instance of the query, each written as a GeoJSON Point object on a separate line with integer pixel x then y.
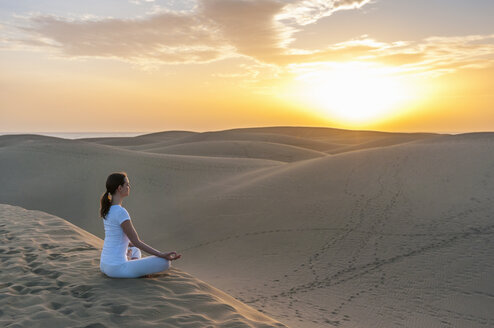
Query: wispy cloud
{"type": "Point", "coordinates": [306, 12]}
{"type": "Point", "coordinates": [437, 55]}
{"type": "Point", "coordinates": [432, 56]}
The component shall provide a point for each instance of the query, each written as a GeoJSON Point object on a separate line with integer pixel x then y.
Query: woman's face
{"type": "Point", "coordinates": [125, 188]}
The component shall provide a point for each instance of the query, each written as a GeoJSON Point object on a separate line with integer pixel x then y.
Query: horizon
{"type": "Point", "coordinates": [196, 65]}
{"type": "Point", "coordinates": [113, 134]}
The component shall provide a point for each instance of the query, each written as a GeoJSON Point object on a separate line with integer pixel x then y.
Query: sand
{"type": "Point", "coordinates": [50, 278]}
{"type": "Point", "coordinates": [315, 227]}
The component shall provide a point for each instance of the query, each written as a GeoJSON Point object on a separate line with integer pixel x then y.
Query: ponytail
{"type": "Point", "coordinates": [112, 182]}
{"type": "Point", "coordinates": [105, 202]}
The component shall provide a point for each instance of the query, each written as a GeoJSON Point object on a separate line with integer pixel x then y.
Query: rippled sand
{"type": "Point", "coordinates": [50, 278]}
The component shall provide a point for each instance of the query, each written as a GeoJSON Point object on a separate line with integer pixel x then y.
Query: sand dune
{"type": "Point", "coordinates": [240, 149]}
{"type": "Point", "coordinates": [140, 140]}
{"type": "Point", "coordinates": [265, 137]}
{"type": "Point", "coordinates": [333, 136]}
{"type": "Point", "coordinates": [379, 141]}
{"type": "Point", "coordinates": [51, 278]}
{"type": "Point", "coordinates": [293, 143]}
{"type": "Point", "coordinates": [273, 138]}
{"type": "Point", "coordinates": [56, 176]}
{"type": "Point", "coordinates": [18, 139]}
{"type": "Point", "coordinates": [398, 229]}
{"type": "Point", "coordinates": [394, 230]}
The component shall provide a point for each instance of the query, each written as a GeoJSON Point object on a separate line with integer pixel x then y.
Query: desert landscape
{"type": "Point", "coordinates": [315, 163]}
{"type": "Point", "coordinates": [302, 226]}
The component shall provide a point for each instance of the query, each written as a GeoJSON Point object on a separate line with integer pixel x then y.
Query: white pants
{"type": "Point", "coordinates": [136, 268]}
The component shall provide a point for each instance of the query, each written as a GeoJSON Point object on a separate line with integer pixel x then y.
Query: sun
{"type": "Point", "coordinates": [353, 93]}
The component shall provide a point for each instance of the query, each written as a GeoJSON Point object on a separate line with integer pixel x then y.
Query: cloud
{"type": "Point", "coordinates": [306, 12]}
{"type": "Point", "coordinates": [437, 55]}
{"type": "Point", "coordinates": [259, 29]}
{"type": "Point", "coordinates": [263, 29]}
{"type": "Point", "coordinates": [249, 26]}
{"type": "Point", "coordinates": [167, 37]}
{"type": "Point", "coordinates": [215, 29]}
{"type": "Point", "coordinates": [432, 56]}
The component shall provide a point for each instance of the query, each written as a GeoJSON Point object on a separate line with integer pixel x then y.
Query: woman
{"type": "Point", "coordinates": [119, 231]}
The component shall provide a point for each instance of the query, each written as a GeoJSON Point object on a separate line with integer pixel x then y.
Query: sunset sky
{"type": "Point", "coordinates": [155, 65]}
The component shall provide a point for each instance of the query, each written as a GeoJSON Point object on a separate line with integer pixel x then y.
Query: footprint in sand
{"type": "Point", "coordinates": [14, 251]}
{"type": "Point", "coordinates": [48, 273]}
{"type": "Point", "coordinates": [18, 288]}
{"type": "Point", "coordinates": [55, 256]}
{"type": "Point", "coordinates": [30, 257]}
{"type": "Point", "coordinates": [82, 291]}
{"type": "Point", "coordinates": [61, 283]}
{"type": "Point", "coordinates": [37, 284]}
{"type": "Point", "coordinates": [118, 309]}
{"type": "Point", "coordinates": [55, 305]}
{"type": "Point", "coordinates": [95, 325]}
{"type": "Point", "coordinates": [47, 246]}
{"type": "Point", "coordinates": [33, 265]}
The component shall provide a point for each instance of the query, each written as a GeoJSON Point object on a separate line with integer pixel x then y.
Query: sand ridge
{"type": "Point", "coordinates": [50, 277]}
{"type": "Point", "coordinates": [242, 149]}
{"type": "Point", "coordinates": [315, 142]}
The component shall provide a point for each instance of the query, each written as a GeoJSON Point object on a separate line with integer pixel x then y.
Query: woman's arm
{"type": "Point", "coordinates": [129, 230]}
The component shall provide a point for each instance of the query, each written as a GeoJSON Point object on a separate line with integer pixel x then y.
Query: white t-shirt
{"type": "Point", "coordinates": [116, 241]}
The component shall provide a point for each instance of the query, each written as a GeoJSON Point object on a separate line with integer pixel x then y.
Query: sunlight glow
{"type": "Point", "coordinates": [354, 92]}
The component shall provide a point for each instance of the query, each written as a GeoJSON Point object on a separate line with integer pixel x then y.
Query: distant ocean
{"type": "Point", "coordinates": [79, 135]}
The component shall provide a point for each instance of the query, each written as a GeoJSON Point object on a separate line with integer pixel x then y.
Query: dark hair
{"type": "Point", "coordinates": [112, 182]}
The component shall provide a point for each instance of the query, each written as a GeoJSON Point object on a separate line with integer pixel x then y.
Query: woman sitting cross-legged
{"type": "Point", "coordinates": [118, 260]}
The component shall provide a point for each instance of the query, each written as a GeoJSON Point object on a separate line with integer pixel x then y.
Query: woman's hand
{"type": "Point", "coordinates": [170, 256]}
